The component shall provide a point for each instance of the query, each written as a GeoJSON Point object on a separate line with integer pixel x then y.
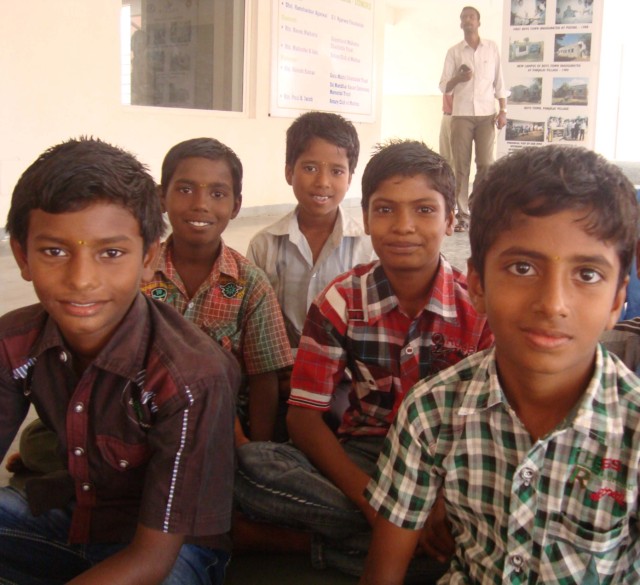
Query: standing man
{"type": "Point", "coordinates": [473, 75]}
{"type": "Point", "coordinates": [445, 128]}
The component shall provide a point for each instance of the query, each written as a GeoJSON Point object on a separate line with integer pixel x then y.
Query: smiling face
{"type": "Point", "coordinates": [407, 220]}
{"type": "Point", "coordinates": [549, 291]}
{"type": "Point", "coordinates": [320, 178]}
{"type": "Point", "coordinates": [200, 203]}
{"type": "Point", "coordinates": [86, 267]}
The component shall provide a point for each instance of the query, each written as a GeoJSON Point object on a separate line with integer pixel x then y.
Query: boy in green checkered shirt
{"type": "Point", "coordinates": [536, 442]}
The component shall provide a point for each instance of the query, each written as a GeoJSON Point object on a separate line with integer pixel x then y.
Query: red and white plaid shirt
{"type": "Point", "coordinates": [356, 324]}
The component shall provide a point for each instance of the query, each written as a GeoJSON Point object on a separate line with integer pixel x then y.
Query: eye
{"type": "Point", "coordinates": [185, 190]}
{"type": "Point", "coordinates": [338, 172]}
{"type": "Point", "coordinates": [309, 168]}
{"type": "Point", "coordinates": [54, 252]}
{"type": "Point", "coordinates": [218, 194]}
{"type": "Point", "coordinates": [426, 209]}
{"type": "Point", "coordinates": [589, 275]}
{"type": "Point", "coordinates": [112, 253]}
{"type": "Point", "coordinates": [521, 269]}
{"type": "Point", "coordinates": [383, 209]}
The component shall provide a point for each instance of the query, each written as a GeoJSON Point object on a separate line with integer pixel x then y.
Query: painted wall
{"type": "Point", "coordinates": [59, 64]}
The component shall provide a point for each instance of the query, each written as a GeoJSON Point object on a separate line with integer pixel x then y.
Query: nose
{"type": "Point", "coordinates": [323, 176]}
{"type": "Point", "coordinates": [553, 295]}
{"type": "Point", "coordinates": [404, 222]}
{"type": "Point", "coordinates": [200, 198]}
{"type": "Point", "coordinates": [82, 272]}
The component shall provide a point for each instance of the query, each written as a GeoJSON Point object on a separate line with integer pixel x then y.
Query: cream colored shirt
{"type": "Point", "coordinates": [282, 251]}
{"type": "Point", "coordinates": [476, 97]}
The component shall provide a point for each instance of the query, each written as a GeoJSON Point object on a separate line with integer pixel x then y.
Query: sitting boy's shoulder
{"type": "Point", "coordinates": [19, 331]}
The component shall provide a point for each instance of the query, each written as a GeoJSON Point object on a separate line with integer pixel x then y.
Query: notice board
{"type": "Point", "coordinates": [323, 57]}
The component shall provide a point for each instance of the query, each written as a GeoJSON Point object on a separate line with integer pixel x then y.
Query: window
{"type": "Point", "coordinates": [183, 53]}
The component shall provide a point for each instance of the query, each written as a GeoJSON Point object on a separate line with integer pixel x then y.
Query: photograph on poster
{"type": "Point", "coordinates": [526, 91]}
{"type": "Point", "coordinates": [570, 91]}
{"type": "Point", "coordinates": [528, 12]}
{"type": "Point", "coordinates": [525, 131]}
{"type": "Point", "coordinates": [526, 50]}
{"type": "Point", "coordinates": [574, 47]}
{"type": "Point", "coordinates": [574, 12]}
{"type": "Point", "coordinates": [560, 129]}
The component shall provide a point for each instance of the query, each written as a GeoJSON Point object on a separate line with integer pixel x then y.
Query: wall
{"type": "Point", "coordinates": [59, 63]}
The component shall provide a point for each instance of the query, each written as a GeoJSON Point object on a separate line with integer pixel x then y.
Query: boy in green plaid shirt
{"type": "Point", "coordinates": [536, 442]}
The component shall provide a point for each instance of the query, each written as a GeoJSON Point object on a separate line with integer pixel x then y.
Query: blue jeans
{"type": "Point", "coordinates": [276, 483]}
{"type": "Point", "coordinates": [34, 550]}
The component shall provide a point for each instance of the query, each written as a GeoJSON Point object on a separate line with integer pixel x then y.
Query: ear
{"type": "Point", "coordinates": [450, 221]}
{"type": "Point", "coordinates": [150, 260]}
{"type": "Point", "coordinates": [288, 174]}
{"type": "Point", "coordinates": [20, 255]}
{"type": "Point", "coordinates": [237, 204]}
{"type": "Point", "coordinates": [365, 220]}
{"type": "Point", "coordinates": [476, 289]}
{"type": "Point", "coordinates": [161, 194]}
{"type": "Point", "coordinates": [618, 304]}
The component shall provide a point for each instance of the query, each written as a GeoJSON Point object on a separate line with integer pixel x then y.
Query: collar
{"type": "Point", "coordinates": [124, 354]}
{"type": "Point", "coordinates": [379, 298]}
{"type": "Point", "coordinates": [597, 415]}
{"type": "Point", "coordinates": [224, 264]}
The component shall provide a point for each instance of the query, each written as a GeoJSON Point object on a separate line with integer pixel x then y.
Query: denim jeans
{"type": "Point", "coordinates": [276, 483]}
{"type": "Point", "coordinates": [34, 550]}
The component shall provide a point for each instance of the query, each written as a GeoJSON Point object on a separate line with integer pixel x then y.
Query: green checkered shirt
{"type": "Point", "coordinates": [561, 510]}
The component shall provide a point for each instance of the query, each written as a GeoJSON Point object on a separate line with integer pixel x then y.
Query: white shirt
{"type": "Point", "coordinates": [476, 97]}
{"type": "Point", "coordinates": [282, 251]}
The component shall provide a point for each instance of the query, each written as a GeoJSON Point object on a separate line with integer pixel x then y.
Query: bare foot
{"type": "Point", "coordinates": [15, 464]}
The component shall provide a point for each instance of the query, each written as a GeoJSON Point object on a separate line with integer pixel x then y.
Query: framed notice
{"type": "Point", "coordinates": [550, 58]}
{"type": "Point", "coordinates": [323, 57]}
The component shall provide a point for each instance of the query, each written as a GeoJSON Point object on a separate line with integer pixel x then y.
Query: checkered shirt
{"type": "Point", "coordinates": [235, 305]}
{"type": "Point", "coordinates": [561, 510]}
{"type": "Point", "coordinates": [357, 325]}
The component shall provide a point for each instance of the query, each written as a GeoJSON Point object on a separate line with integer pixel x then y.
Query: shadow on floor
{"type": "Point", "coordinates": [278, 569]}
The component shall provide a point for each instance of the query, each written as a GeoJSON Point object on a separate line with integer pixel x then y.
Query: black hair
{"type": "Point", "coordinates": [201, 148]}
{"type": "Point", "coordinates": [330, 127]}
{"type": "Point", "coordinates": [77, 173]}
{"type": "Point", "coordinates": [408, 158]}
{"type": "Point", "coordinates": [542, 181]}
{"type": "Point", "coordinates": [470, 8]}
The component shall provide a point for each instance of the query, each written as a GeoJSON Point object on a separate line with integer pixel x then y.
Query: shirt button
{"type": "Point", "coordinates": [123, 463]}
{"type": "Point", "coordinates": [78, 451]}
{"type": "Point", "coordinates": [63, 356]}
{"type": "Point", "coordinates": [190, 306]}
{"type": "Point", "coordinates": [314, 275]}
{"type": "Point", "coordinates": [527, 474]}
{"type": "Point", "coordinates": [86, 487]}
{"type": "Point", "coordinates": [78, 407]}
{"type": "Point", "coordinates": [409, 351]}
{"type": "Point", "coordinates": [517, 562]}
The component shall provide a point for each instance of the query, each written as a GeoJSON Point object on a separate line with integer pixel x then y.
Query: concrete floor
{"type": "Point", "coordinates": [247, 569]}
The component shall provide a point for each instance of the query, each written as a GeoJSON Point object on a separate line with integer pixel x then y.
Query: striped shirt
{"type": "Point", "coordinates": [561, 510]}
{"type": "Point", "coordinates": [356, 325]}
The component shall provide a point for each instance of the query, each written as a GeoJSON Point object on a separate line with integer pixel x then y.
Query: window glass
{"type": "Point", "coordinates": [183, 53]}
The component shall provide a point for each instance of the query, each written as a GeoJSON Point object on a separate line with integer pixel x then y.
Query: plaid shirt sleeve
{"type": "Point", "coordinates": [321, 358]}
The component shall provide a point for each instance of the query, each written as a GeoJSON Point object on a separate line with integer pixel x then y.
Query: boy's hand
{"type": "Point", "coordinates": [436, 539]}
{"type": "Point", "coordinates": [284, 382]}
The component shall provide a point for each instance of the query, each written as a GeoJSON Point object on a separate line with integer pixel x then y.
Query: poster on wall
{"type": "Point", "coordinates": [550, 59]}
{"type": "Point", "coordinates": [323, 58]}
